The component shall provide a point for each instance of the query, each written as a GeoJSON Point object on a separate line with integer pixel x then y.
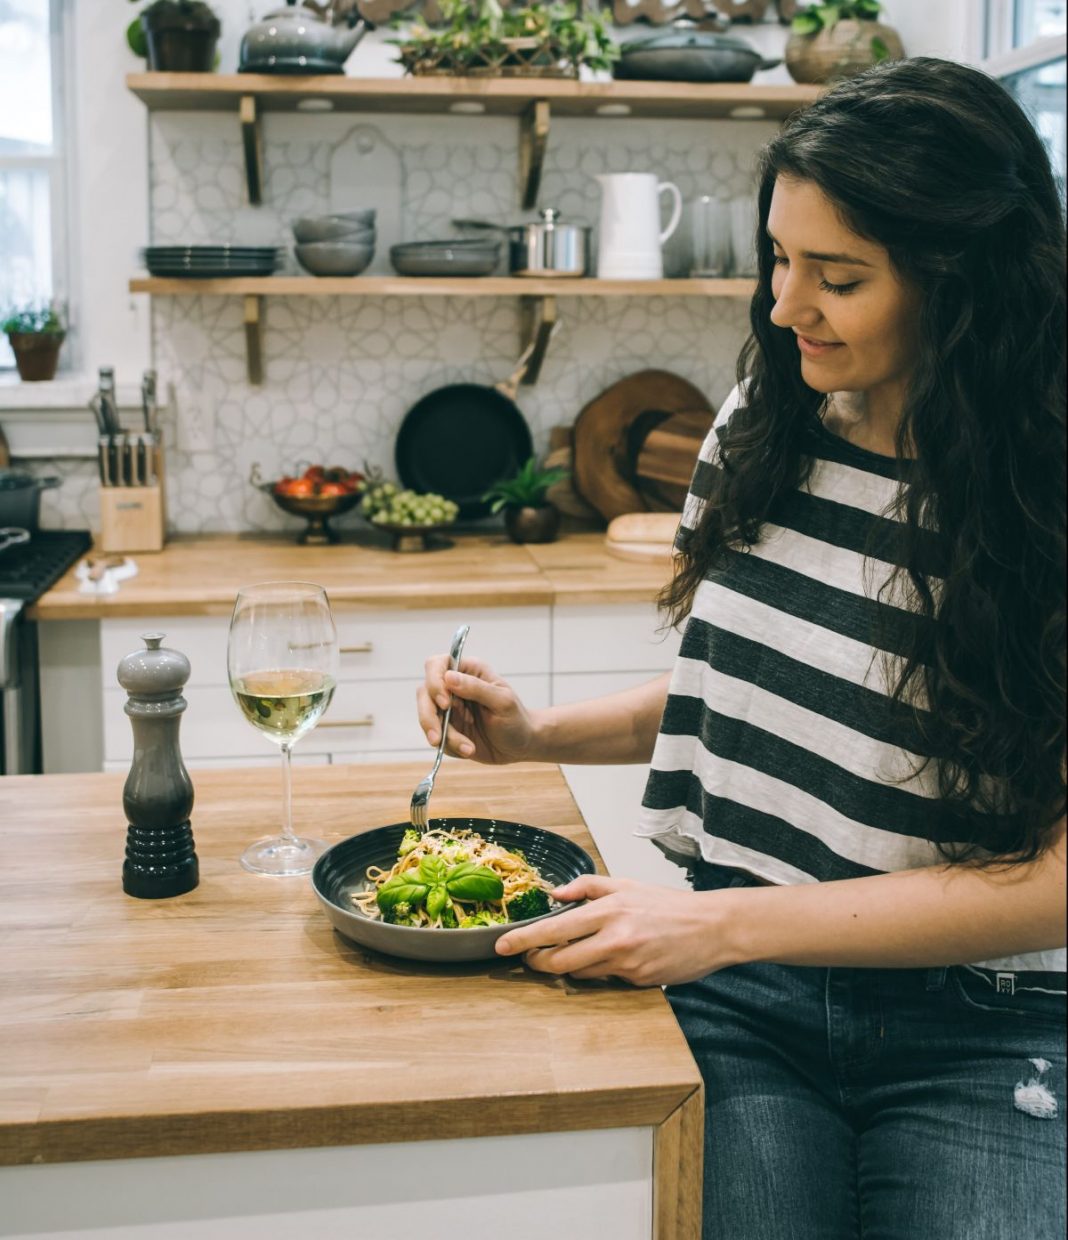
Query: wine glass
{"type": "Point", "coordinates": [282, 659]}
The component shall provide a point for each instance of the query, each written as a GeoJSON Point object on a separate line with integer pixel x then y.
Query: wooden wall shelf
{"type": "Point", "coordinates": [537, 298]}
{"type": "Point", "coordinates": [215, 92]}
{"type": "Point", "coordinates": [408, 286]}
{"type": "Point", "coordinates": [533, 101]}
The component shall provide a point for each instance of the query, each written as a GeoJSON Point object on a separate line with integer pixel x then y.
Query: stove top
{"type": "Point", "coordinates": [27, 570]}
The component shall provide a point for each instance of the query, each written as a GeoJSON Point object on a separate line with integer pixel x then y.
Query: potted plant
{"type": "Point", "coordinates": [837, 39]}
{"type": "Point", "coordinates": [35, 333]}
{"type": "Point", "coordinates": [479, 38]}
{"type": "Point", "coordinates": [528, 515]}
{"type": "Point", "coordinates": [175, 36]}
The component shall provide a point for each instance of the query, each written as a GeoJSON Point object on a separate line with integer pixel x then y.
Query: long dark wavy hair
{"type": "Point", "coordinates": [938, 164]}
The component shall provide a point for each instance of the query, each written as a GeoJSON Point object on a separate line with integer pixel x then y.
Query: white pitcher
{"type": "Point", "coordinates": [630, 233]}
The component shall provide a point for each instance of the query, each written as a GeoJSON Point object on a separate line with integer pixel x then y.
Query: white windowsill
{"type": "Point", "coordinates": [52, 419]}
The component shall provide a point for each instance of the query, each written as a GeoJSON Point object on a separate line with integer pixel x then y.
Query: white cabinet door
{"type": "Point", "coordinates": [611, 637]}
{"type": "Point", "coordinates": [375, 644]}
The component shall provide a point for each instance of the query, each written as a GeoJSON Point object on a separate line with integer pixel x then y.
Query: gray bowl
{"type": "Point", "coordinates": [330, 228]}
{"type": "Point", "coordinates": [443, 259]}
{"type": "Point", "coordinates": [335, 258]}
{"type": "Point", "coordinates": [342, 871]}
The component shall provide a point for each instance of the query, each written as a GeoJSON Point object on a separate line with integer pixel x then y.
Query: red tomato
{"type": "Point", "coordinates": [295, 488]}
{"type": "Point", "coordinates": [333, 488]}
{"type": "Point", "coordinates": [315, 473]}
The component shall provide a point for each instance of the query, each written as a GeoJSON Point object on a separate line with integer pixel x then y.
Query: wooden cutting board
{"type": "Point", "coordinates": [644, 536]}
{"type": "Point", "coordinates": [609, 433]}
{"type": "Point", "coordinates": [668, 455]}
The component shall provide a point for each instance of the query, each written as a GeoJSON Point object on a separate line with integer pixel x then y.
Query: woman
{"type": "Point", "coordinates": [859, 754]}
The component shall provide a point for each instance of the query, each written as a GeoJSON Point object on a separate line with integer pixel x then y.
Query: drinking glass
{"type": "Point", "coordinates": [710, 237]}
{"type": "Point", "coordinates": [282, 660]}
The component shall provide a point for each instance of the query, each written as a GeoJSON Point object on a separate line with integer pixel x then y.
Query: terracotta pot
{"type": "Point", "coordinates": [532, 525]}
{"type": "Point", "coordinates": [838, 53]}
{"type": "Point", "coordinates": [36, 354]}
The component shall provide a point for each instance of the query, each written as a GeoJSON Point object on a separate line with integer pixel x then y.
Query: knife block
{"type": "Point", "coordinates": [134, 518]}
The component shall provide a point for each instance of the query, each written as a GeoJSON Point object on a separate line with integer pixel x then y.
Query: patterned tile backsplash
{"type": "Point", "coordinates": [341, 372]}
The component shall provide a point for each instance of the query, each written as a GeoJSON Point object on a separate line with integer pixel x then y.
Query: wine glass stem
{"type": "Point", "coordinates": [287, 794]}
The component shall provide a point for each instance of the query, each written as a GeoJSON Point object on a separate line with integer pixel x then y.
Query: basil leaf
{"type": "Point", "coordinates": [436, 901]}
{"type": "Point", "coordinates": [432, 871]}
{"type": "Point", "coordinates": [479, 883]}
{"type": "Point", "coordinates": [400, 889]}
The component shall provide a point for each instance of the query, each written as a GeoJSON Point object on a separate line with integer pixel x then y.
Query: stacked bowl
{"type": "Point", "coordinates": [340, 244]}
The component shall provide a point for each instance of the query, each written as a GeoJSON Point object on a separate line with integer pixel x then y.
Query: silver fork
{"type": "Point", "coordinates": [421, 796]}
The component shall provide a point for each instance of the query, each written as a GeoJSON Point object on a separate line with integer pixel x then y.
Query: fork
{"type": "Point", "coordinates": [421, 796]}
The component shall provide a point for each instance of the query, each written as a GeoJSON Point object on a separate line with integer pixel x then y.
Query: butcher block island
{"type": "Point", "coordinates": [223, 1064]}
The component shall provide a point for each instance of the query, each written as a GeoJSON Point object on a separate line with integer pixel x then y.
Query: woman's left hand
{"type": "Point", "coordinates": [645, 935]}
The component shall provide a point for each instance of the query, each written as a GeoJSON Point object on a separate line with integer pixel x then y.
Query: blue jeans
{"type": "Point", "coordinates": [883, 1104]}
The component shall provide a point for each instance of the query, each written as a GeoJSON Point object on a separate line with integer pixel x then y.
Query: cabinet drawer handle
{"type": "Point", "coordinates": [362, 648]}
{"type": "Point", "coordinates": [366, 722]}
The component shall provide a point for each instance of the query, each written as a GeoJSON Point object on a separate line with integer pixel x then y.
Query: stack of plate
{"type": "Point", "coordinates": [202, 262]}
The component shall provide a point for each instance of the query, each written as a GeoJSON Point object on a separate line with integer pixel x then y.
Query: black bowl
{"type": "Point", "coordinates": [342, 871]}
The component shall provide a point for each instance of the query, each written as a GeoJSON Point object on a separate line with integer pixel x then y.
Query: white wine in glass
{"type": "Point", "coordinates": [282, 660]}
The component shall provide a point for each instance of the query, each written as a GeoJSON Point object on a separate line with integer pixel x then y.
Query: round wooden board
{"type": "Point", "coordinates": [609, 432]}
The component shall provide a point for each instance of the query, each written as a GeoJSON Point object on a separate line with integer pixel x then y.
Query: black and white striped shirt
{"type": "Point", "coordinates": [780, 751]}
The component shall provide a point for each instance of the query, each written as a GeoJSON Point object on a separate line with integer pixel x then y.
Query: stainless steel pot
{"type": "Point", "coordinates": [20, 498]}
{"type": "Point", "coordinates": [544, 247]}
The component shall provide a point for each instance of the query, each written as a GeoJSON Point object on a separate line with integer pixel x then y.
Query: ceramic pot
{"type": "Point", "coordinates": [839, 53]}
{"type": "Point", "coordinates": [179, 41]}
{"type": "Point", "coordinates": [532, 525]}
{"type": "Point", "coordinates": [36, 354]}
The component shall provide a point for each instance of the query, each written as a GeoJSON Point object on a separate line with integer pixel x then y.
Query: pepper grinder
{"type": "Point", "coordinates": [158, 796]}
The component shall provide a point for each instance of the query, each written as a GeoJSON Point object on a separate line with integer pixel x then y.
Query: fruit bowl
{"type": "Point", "coordinates": [414, 537]}
{"type": "Point", "coordinates": [414, 521]}
{"type": "Point", "coordinates": [316, 503]}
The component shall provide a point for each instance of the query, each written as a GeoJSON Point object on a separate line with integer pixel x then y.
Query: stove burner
{"type": "Point", "coordinates": [27, 570]}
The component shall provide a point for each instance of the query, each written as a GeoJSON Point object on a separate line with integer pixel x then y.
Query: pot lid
{"type": "Point", "coordinates": [672, 40]}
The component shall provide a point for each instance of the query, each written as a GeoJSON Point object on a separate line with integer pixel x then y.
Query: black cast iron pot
{"type": "Point", "coordinates": [20, 498]}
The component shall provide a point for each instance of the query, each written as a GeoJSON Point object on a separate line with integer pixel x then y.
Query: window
{"type": "Point", "coordinates": [1025, 45]}
{"type": "Point", "coordinates": [33, 250]}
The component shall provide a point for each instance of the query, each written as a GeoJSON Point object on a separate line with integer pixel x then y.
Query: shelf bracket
{"type": "Point", "coordinates": [533, 139]}
{"type": "Point", "coordinates": [254, 338]}
{"type": "Point", "coordinates": [537, 325]}
{"type": "Point", "coordinates": [251, 140]}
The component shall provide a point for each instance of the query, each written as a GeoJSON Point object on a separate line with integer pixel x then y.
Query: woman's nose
{"type": "Point", "coordinates": [792, 306]}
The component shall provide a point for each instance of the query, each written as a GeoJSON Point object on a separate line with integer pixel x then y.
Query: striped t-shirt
{"type": "Point", "coordinates": [780, 751]}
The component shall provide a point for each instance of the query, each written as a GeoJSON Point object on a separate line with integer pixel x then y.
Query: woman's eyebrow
{"type": "Point", "coordinates": [825, 258]}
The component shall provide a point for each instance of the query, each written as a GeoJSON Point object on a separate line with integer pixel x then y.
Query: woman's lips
{"type": "Point", "coordinates": [815, 348]}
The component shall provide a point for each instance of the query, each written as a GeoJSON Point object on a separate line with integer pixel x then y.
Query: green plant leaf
{"type": "Point", "coordinates": [829, 15]}
{"type": "Point", "coordinates": [400, 890]}
{"type": "Point", "coordinates": [432, 871]}
{"type": "Point", "coordinates": [436, 900]}
{"type": "Point", "coordinates": [806, 23]}
{"type": "Point", "coordinates": [879, 50]}
{"type": "Point", "coordinates": [474, 882]}
{"type": "Point", "coordinates": [135, 38]}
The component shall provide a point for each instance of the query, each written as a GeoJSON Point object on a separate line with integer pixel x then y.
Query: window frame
{"type": "Point", "coordinates": [58, 165]}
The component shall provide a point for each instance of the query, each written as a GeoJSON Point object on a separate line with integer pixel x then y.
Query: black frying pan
{"type": "Point", "coordinates": [458, 440]}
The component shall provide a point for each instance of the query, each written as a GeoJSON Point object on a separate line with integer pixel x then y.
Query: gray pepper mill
{"type": "Point", "coordinates": [158, 795]}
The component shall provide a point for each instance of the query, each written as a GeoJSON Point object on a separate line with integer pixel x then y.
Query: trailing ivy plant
{"type": "Point", "coordinates": [826, 16]}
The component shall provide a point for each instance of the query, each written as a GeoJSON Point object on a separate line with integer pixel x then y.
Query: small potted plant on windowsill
{"type": "Point", "coordinates": [35, 334]}
{"type": "Point", "coordinates": [837, 39]}
{"type": "Point", "coordinates": [176, 36]}
{"type": "Point", "coordinates": [528, 515]}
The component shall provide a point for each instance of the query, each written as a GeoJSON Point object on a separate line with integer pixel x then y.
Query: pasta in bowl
{"type": "Point", "coordinates": [449, 894]}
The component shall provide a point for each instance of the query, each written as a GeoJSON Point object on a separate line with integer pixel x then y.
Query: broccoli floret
{"type": "Point", "coordinates": [448, 918]}
{"type": "Point", "coordinates": [401, 914]}
{"type": "Point", "coordinates": [409, 840]}
{"type": "Point", "coordinates": [530, 903]}
{"type": "Point", "coordinates": [518, 852]}
{"type": "Point", "coordinates": [482, 919]}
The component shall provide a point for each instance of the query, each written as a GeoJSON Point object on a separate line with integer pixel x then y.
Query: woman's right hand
{"type": "Point", "coordinates": [488, 722]}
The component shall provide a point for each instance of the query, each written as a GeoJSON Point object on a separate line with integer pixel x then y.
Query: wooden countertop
{"type": "Point", "coordinates": [200, 576]}
{"type": "Point", "coordinates": [234, 1018]}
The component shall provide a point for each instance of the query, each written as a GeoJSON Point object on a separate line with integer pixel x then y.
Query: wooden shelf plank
{"type": "Point", "coordinates": [407, 286]}
{"type": "Point", "coordinates": [498, 96]}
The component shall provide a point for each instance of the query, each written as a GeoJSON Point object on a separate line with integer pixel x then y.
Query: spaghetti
{"type": "Point", "coordinates": [453, 880]}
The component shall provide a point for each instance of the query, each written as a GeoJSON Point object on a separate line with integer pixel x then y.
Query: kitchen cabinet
{"type": "Point", "coordinates": [222, 1065]}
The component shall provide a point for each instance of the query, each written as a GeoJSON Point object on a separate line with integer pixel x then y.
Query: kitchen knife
{"type": "Point", "coordinates": [104, 453]}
